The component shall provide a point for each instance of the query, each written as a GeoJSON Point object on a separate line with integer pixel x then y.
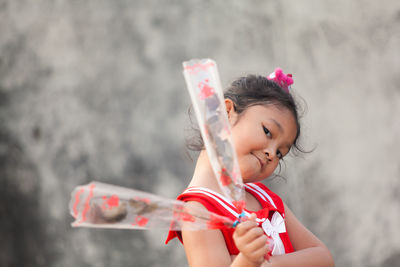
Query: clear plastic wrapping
{"type": "Point", "coordinates": [108, 206]}
{"type": "Point", "coordinates": [205, 90]}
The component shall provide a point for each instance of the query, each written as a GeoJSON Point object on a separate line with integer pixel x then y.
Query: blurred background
{"type": "Point", "coordinates": [93, 90]}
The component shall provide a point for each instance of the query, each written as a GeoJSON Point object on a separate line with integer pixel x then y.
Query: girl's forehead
{"type": "Point", "coordinates": [270, 110]}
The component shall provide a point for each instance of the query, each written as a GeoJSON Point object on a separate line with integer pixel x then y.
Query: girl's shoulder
{"type": "Point", "coordinates": [210, 199]}
{"type": "Point", "coordinates": [213, 202]}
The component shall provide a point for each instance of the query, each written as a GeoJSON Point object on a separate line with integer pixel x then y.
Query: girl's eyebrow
{"type": "Point", "coordinates": [278, 125]}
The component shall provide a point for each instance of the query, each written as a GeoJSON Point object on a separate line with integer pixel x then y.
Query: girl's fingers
{"type": "Point", "coordinates": [252, 234]}
{"type": "Point", "coordinates": [260, 253]}
{"type": "Point", "coordinates": [261, 243]}
{"type": "Point", "coordinates": [248, 222]}
{"type": "Point", "coordinates": [243, 227]}
{"type": "Point", "coordinates": [251, 240]}
{"type": "Point", "coordinates": [256, 255]}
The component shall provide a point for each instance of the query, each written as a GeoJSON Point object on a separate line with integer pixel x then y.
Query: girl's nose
{"type": "Point", "coordinates": [269, 154]}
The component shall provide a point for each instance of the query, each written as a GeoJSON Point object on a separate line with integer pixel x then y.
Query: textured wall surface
{"type": "Point", "coordinates": [93, 90]}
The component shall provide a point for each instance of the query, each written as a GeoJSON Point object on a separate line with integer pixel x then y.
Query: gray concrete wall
{"type": "Point", "coordinates": [93, 90]}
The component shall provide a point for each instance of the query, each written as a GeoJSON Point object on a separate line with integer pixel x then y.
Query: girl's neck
{"type": "Point", "coordinates": [204, 174]}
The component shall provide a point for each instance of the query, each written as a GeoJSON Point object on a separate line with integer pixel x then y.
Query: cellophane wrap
{"type": "Point", "coordinates": [205, 90]}
{"type": "Point", "coordinates": [107, 206]}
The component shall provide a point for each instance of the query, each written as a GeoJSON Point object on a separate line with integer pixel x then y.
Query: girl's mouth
{"type": "Point", "coordinates": [260, 161]}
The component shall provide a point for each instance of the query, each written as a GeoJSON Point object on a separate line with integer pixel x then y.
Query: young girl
{"type": "Point", "coordinates": [265, 126]}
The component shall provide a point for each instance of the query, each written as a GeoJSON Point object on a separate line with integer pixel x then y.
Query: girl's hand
{"type": "Point", "coordinates": [251, 241]}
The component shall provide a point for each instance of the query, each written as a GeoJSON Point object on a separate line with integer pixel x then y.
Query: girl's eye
{"type": "Point", "coordinates": [267, 132]}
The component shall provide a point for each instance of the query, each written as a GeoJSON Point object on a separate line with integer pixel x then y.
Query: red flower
{"type": "Point", "coordinates": [225, 178]}
{"type": "Point", "coordinates": [113, 201]}
{"type": "Point", "coordinates": [186, 217]}
{"type": "Point", "coordinates": [141, 221]}
{"type": "Point", "coordinates": [218, 222]}
{"type": "Point", "coordinates": [215, 222]}
{"type": "Point", "coordinates": [109, 203]}
{"type": "Point", "coordinates": [205, 90]}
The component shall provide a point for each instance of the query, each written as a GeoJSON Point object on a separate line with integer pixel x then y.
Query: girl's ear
{"type": "Point", "coordinates": [230, 109]}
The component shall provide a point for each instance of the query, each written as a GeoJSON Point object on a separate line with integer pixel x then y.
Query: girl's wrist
{"type": "Point", "coordinates": [242, 260]}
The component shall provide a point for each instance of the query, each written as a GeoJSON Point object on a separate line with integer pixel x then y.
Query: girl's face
{"type": "Point", "coordinates": [262, 136]}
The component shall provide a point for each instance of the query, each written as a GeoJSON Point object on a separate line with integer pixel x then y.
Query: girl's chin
{"type": "Point", "coordinates": [251, 179]}
{"type": "Point", "coordinates": [251, 173]}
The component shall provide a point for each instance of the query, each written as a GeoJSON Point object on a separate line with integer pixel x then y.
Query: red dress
{"type": "Point", "coordinates": [270, 217]}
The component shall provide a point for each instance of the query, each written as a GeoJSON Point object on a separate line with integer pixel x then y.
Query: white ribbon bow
{"type": "Point", "coordinates": [273, 228]}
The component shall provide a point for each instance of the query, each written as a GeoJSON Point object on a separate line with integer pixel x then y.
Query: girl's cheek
{"type": "Point", "coordinates": [248, 167]}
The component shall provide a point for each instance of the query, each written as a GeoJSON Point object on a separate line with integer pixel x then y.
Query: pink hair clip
{"type": "Point", "coordinates": [282, 79]}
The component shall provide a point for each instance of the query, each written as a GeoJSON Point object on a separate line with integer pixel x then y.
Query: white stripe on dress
{"type": "Point", "coordinates": [255, 191]}
{"type": "Point", "coordinates": [261, 191]}
{"type": "Point", "coordinates": [215, 195]}
{"type": "Point", "coordinates": [210, 193]}
{"type": "Point", "coordinates": [224, 198]}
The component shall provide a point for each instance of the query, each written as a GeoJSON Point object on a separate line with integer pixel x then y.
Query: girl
{"type": "Point", "coordinates": [265, 126]}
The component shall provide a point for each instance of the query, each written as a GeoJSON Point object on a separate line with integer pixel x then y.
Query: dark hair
{"type": "Point", "coordinates": [256, 90]}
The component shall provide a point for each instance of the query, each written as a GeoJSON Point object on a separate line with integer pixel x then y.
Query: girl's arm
{"type": "Point", "coordinates": [309, 250]}
{"type": "Point", "coordinates": [208, 248]}
{"type": "Point", "coordinates": [205, 248]}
